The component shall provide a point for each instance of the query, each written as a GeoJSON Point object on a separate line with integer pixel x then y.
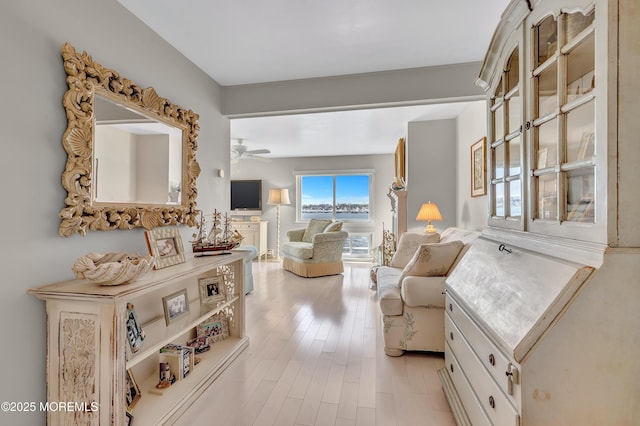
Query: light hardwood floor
{"type": "Point", "coordinates": [315, 357]}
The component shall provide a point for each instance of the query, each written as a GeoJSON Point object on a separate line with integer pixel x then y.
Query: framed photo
{"type": "Point", "coordinates": [175, 305]}
{"type": "Point", "coordinates": [214, 328]}
{"type": "Point", "coordinates": [132, 391]}
{"type": "Point", "coordinates": [479, 168]}
{"type": "Point", "coordinates": [211, 289]}
{"type": "Point", "coordinates": [128, 420]}
{"type": "Point", "coordinates": [165, 244]}
{"type": "Point", "coordinates": [135, 335]}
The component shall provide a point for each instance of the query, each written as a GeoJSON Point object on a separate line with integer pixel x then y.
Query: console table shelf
{"type": "Point", "coordinates": [159, 334]}
{"type": "Point", "coordinates": [89, 357]}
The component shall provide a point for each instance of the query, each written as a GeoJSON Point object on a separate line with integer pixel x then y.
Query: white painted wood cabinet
{"type": "Point", "coordinates": [254, 233]}
{"type": "Point", "coordinates": [88, 353]}
{"type": "Point", "coordinates": [545, 330]}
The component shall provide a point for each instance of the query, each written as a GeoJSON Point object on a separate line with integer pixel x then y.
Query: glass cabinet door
{"type": "Point", "coordinates": [505, 146]}
{"type": "Point", "coordinates": [563, 117]}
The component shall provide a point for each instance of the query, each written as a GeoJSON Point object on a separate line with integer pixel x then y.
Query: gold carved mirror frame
{"type": "Point", "coordinates": [85, 79]}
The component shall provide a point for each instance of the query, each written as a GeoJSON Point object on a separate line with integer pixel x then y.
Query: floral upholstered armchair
{"type": "Point", "coordinates": [316, 250]}
{"type": "Point", "coordinates": [410, 289]}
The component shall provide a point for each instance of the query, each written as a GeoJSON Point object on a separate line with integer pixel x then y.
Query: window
{"type": "Point", "coordinates": [345, 196]}
{"type": "Point", "coordinates": [357, 246]}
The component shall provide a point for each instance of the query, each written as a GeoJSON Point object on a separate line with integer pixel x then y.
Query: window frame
{"type": "Point", "coordinates": [334, 174]}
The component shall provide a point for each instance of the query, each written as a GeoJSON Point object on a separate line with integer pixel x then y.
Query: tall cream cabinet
{"type": "Point", "coordinates": [254, 233]}
{"type": "Point", "coordinates": [89, 357]}
{"type": "Point", "coordinates": [541, 314]}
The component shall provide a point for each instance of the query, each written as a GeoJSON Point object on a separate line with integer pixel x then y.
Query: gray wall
{"type": "Point", "coordinates": [431, 171]}
{"type": "Point", "coordinates": [33, 121]}
{"type": "Point", "coordinates": [445, 83]}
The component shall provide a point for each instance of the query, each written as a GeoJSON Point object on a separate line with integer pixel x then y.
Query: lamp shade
{"type": "Point", "coordinates": [429, 211]}
{"type": "Point", "coordinates": [279, 196]}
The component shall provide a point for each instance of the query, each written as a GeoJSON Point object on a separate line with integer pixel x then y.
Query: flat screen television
{"type": "Point", "coordinates": [246, 197]}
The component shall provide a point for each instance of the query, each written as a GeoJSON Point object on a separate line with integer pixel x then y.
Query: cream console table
{"type": "Point", "coordinates": [88, 354]}
{"type": "Point", "coordinates": [254, 233]}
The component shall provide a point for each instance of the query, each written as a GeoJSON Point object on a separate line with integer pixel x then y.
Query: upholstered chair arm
{"type": "Point", "coordinates": [324, 237]}
{"type": "Point", "coordinates": [423, 291]}
{"type": "Point", "coordinates": [327, 246]}
{"type": "Point", "coordinates": [295, 234]}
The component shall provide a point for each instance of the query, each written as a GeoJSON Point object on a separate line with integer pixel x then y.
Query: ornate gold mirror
{"type": "Point", "coordinates": [131, 153]}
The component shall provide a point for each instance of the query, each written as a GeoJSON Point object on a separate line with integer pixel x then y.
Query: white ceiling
{"type": "Point", "coordinates": [254, 41]}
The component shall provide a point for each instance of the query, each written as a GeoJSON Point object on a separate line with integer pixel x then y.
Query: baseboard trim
{"type": "Point", "coordinates": [455, 402]}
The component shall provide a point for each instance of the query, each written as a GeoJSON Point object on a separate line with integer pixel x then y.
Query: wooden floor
{"type": "Point", "coordinates": [315, 357]}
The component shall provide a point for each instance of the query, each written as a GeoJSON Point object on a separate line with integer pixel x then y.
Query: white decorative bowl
{"type": "Point", "coordinates": [112, 268]}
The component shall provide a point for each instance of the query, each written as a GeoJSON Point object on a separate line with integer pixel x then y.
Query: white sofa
{"type": "Point", "coordinates": [412, 308]}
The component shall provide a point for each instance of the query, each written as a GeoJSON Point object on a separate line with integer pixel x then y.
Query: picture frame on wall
{"type": "Point", "coordinates": [176, 305]}
{"type": "Point", "coordinates": [211, 290]}
{"type": "Point", "coordinates": [479, 168]}
{"type": "Point", "coordinates": [165, 245]}
{"type": "Point", "coordinates": [399, 166]}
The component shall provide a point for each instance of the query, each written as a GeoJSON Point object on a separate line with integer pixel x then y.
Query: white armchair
{"type": "Point", "coordinates": [411, 298]}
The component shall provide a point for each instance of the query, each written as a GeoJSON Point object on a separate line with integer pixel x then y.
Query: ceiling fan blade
{"type": "Point", "coordinates": [257, 158]}
{"type": "Point", "coordinates": [258, 151]}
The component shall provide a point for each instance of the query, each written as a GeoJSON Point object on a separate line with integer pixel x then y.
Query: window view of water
{"type": "Point", "coordinates": [340, 197]}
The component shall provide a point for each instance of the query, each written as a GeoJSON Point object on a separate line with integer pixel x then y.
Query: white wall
{"type": "Point", "coordinates": [431, 171]}
{"type": "Point", "coordinates": [33, 121]}
{"type": "Point", "coordinates": [471, 212]}
{"type": "Point", "coordinates": [279, 173]}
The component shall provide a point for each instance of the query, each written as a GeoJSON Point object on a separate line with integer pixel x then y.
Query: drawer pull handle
{"type": "Point", "coordinates": [450, 307]}
{"type": "Point", "coordinates": [451, 366]}
{"type": "Point", "coordinates": [492, 402]}
{"type": "Point", "coordinates": [451, 335]}
{"type": "Point", "coordinates": [492, 360]}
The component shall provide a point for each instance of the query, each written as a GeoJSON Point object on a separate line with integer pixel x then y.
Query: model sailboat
{"type": "Point", "coordinates": [219, 238]}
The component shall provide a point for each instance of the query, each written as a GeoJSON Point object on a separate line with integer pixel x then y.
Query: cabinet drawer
{"type": "Point", "coordinates": [496, 363]}
{"type": "Point", "coordinates": [246, 226]}
{"type": "Point", "coordinates": [493, 400]}
{"type": "Point", "coordinates": [471, 404]}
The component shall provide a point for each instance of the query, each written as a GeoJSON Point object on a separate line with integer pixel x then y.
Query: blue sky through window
{"type": "Point", "coordinates": [351, 196]}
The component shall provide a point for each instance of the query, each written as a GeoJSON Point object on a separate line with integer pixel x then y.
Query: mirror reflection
{"type": "Point", "coordinates": [136, 159]}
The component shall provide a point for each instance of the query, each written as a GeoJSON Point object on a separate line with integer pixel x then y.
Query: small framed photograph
{"type": "Point", "coordinates": [165, 244]}
{"type": "Point", "coordinates": [215, 328]}
{"type": "Point", "coordinates": [128, 420]}
{"type": "Point", "coordinates": [211, 289]}
{"type": "Point", "coordinates": [135, 335]}
{"type": "Point", "coordinates": [176, 305]}
{"type": "Point", "coordinates": [479, 168]}
{"type": "Point", "coordinates": [132, 391]}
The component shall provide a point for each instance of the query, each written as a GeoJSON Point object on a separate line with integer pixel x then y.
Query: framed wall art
{"type": "Point", "coordinates": [399, 166]}
{"type": "Point", "coordinates": [175, 305]}
{"type": "Point", "coordinates": [479, 168]}
{"type": "Point", "coordinates": [165, 245]}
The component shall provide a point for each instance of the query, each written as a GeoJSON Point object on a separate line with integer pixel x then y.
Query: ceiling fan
{"type": "Point", "coordinates": [240, 151]}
